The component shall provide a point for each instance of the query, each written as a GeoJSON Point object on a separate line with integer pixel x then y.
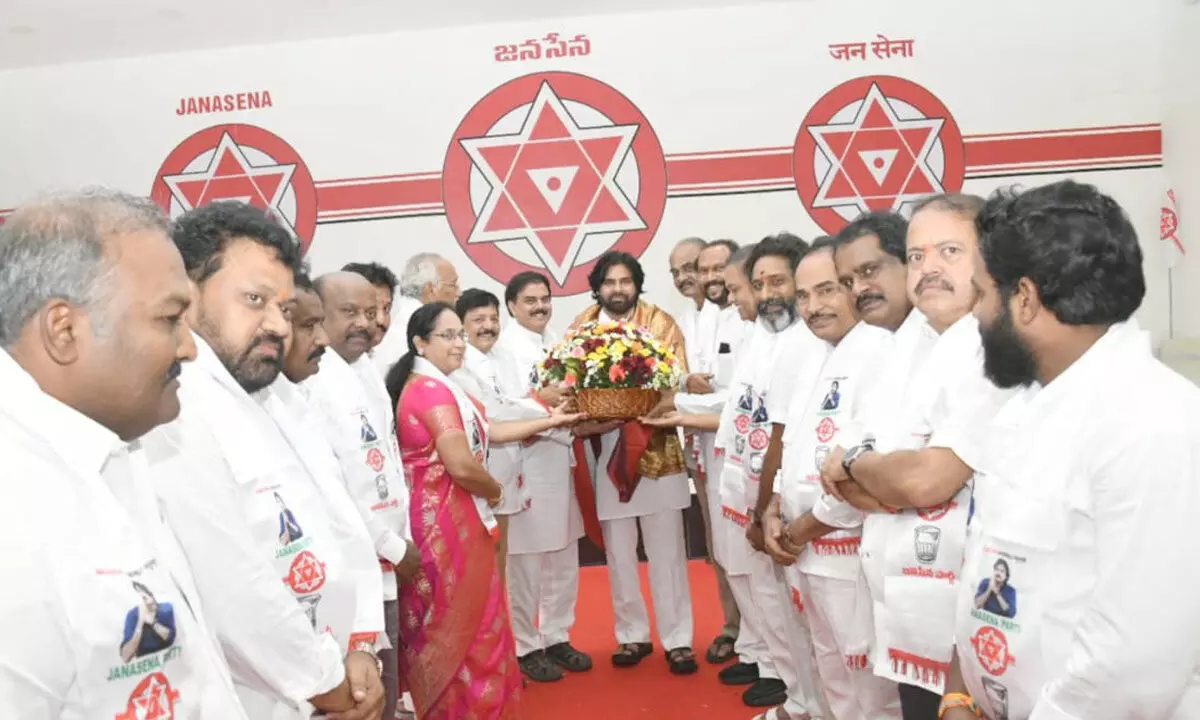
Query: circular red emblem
{"type": "Point", "coordinates": [826, 429]}
{"type": "Point", "coordinates": [742, 423]}
{"type": "Point", "coordinates": [875, 143]}
{"type": "Point", "coordinates": [548, 171]}
{"type": "Point", "coordinates": [759, 439]}
{"type": "Point", "coordinates": [306, 575]}
{"type": "Point", "coordinates": [375, 459]}
{"type": "Point", "coordinates": [152, 699]}
{"type": "Point", "coordinates": [991, 648]}
{"type": "Point", "coordinates": [239, 162]}
{"type": "Point", "coordinates": [937, 512]}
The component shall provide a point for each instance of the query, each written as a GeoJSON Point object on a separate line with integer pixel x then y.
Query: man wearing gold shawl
{"type": "Point", "coordinates": [628, 475]}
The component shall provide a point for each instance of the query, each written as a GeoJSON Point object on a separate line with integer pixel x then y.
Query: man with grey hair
{"type": "Point", "coordinates": [427, 277]}
{"type": "Point", "coordinates": [92, 296]}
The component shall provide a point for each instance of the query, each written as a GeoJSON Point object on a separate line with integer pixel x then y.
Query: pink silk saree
{"type": "Point", "coordinates": [457, 655]}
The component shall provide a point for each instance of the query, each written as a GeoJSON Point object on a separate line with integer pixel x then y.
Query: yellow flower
{"type": "Point", "coordinates": [617, 349]}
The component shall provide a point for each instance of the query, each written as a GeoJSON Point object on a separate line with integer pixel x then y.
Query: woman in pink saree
{"type": "Point", "coordinates": [457, 656]}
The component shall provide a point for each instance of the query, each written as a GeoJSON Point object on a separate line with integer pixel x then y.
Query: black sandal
{"type": "Point", "coordinates": [721, 651]}
{"type": "Point", "coordinates": [630, 654]}
{"type": "Point", "coordinates": [682, 661]}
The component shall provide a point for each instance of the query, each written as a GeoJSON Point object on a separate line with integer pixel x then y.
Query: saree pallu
{"type": "Point", "coordinates": [457, 655]}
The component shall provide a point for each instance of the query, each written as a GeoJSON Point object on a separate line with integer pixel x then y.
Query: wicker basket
{"type": "Point", "coordinates": [616, 403]}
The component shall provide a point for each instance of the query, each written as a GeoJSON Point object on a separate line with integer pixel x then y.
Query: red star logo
{"type": "Point", "coordinates": [306, 574]}
{"type": "Point", "coordinates": [991, 648]}
{"type": "Point", "coordinates": [553, 184]}
{"type": "Point", "coordinates": [152, 699]}
{"type": "Point", "coordinates": [876, 160]}
{"type": "Point", "coordinates": [229, 174]}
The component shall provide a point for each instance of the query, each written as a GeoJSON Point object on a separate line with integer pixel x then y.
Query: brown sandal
{"type": "Point", "coordinates": [630, 654]}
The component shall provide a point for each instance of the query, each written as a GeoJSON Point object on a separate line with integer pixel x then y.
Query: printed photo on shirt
{"type": "Point", "coordinates": [367, 433]}
{"type": "Point", "coordinates": [997, 698]}
{"type": "Point", "coordinates": [310, 603]}
{"type": "Point", "coordinates": [289, 529]}
{"type": "Point", "coordinates": [833, 398]}
{"type": "Point", "coordinates": [381, 487]}
{"type": "Point", "coordinates": [995, 594]}
{"type": "Point", "coordinates": [149, 626]}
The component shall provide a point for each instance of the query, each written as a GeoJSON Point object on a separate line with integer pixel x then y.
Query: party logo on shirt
{"type": "Point", "coordinates": [991, 649]}
{"type": "Point", "coordinates": [820, 456]}
{"type": "Point", "coordinates": [306, 575]}
{"type": "Point", "coordinates": [759, 439]}
{"type": "Point", "coordinates": [152, 699]}
{"type": "Point", "coordinates": [375, 459]}
{"type": "Point", "coordinates": [826, 429]}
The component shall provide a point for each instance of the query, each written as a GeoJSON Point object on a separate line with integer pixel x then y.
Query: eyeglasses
{"type": "Point", "coordinates": [452, 335]}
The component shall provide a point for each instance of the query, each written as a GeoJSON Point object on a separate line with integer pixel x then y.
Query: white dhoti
{"type": "Point", "coordinates": [662, 538]}
{"type": "Point", "coordinates": [542, 588]}
{"type": "Point", "coordinates": [839, 619]}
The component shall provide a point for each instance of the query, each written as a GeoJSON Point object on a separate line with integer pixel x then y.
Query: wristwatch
{"type": "Point", "coordinates": [853, 454]}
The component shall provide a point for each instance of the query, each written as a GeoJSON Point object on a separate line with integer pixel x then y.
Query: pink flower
{"type": "Point", "coordinates": [616, 373]}
{"type": "Point", "coordinates": [577, 352]}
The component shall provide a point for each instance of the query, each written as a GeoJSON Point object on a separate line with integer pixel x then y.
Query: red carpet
{"type": "Point", "coordinates": [649, 690]}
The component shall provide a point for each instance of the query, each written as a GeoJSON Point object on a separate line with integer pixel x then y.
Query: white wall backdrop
{"type": "Point", "coordinates": [746, 121]}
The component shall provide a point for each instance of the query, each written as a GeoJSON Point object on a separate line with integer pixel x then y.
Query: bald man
{"type": "Point", "coordinates": [349, 396]}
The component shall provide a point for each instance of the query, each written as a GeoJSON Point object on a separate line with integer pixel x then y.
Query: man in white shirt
{"type": "Point", "coordinates": [99, 614]}
{"type": "Point", "coordinates": [921, 423]}
{"type": "Point", "coordinates": [781, 355]}
{"type": "Point", "coordinates": [384, 282]}
{"type": "Point", "coordinates": [1093, 473]}
{"type": "Point", "coordinates": [820, 538]}
{"type": "Point", "coordinates": [356, 415]}
{"type": "Point", "coordinates": [309, 341]}
{"type": "Point", "coordinates": [543, 571]}
{"type": "Point", "coordinates": [426, 278]}
{"type": "Point", "coordinates": [714, 328]}
{"type": "Point", "coordinates": [295, 614]}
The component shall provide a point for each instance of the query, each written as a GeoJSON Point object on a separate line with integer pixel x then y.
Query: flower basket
{"type": "Point", "coordinates": [618, 370]}
{"type": "Point", "coordinates": [616, 403]}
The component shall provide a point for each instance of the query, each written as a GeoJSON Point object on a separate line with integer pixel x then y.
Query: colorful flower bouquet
{"type": "Point", "coordinates": [618, 370]}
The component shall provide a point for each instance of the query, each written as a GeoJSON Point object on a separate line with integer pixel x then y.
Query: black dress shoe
{"type": "Point", "coordinates": [739, 674]}
{"type": "Point", "coordinates": [538, 668]}
{"type": "Point", "coordinates": [765, 692]}
{"type": "Point", "coordinates": [568, 658]}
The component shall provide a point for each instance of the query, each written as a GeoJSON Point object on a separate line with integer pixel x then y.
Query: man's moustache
{"type": "Point", "coordinates": [487, 333]}
{"type": "Point", "coordinates": [540, 313]}
{"type": "Point", "coordinates": [714, 285]}
{"type": "Point", "coordinates": [934, 280]}
{"type": "Point", "coordinates": [174, 371]}
{"type": "Point", "coordinates": [364, 334]}
{"type": "Point", "coordinates": [866, 298]}
{"type": "Point", "coordinates": [316, 353]}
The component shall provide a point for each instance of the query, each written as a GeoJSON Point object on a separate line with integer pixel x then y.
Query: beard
{"type": "Point", "coordinates": [717, 292]}
{"type": "Point", "coordinates": [1007, 361]}
{"type": "Point", "coordinates": [778, 314]}
{"type": "Point", "coordinates": [617, 304]}
{"type": "Point", "coordinates": [251, 373]}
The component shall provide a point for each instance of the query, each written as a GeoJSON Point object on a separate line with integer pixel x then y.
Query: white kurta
{"type": "Point", "coordinates": [699, 329]}
{"type": "Point", "coordinates": [354, 411]}
{"type": "Point", "coordinates": [262, 538]}
{"type": "Point", "coordinates": [1091, 485]}
{"type": "Point", "coordinates": [395, 342]}
{"type": "Point", "coordinates": [480, 377]}
{"type": "Point", "coordinates": [543, 563]}
{"type": "Point", "coordinates": [773, 369]}
{"type": "Point", "coordinates": [552, 521]}
{"type": "Point", "coordinates": [84, 526]}
{"type": "Point", "coordinates": [718, 354]}
{"type": "Point", "coordinates": [911, 559]}
{"type": "Point", "coordinates": [828, 574]}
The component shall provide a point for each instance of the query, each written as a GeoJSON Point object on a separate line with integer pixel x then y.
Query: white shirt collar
{"type": "Point", "coordinates": [82, 443]}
